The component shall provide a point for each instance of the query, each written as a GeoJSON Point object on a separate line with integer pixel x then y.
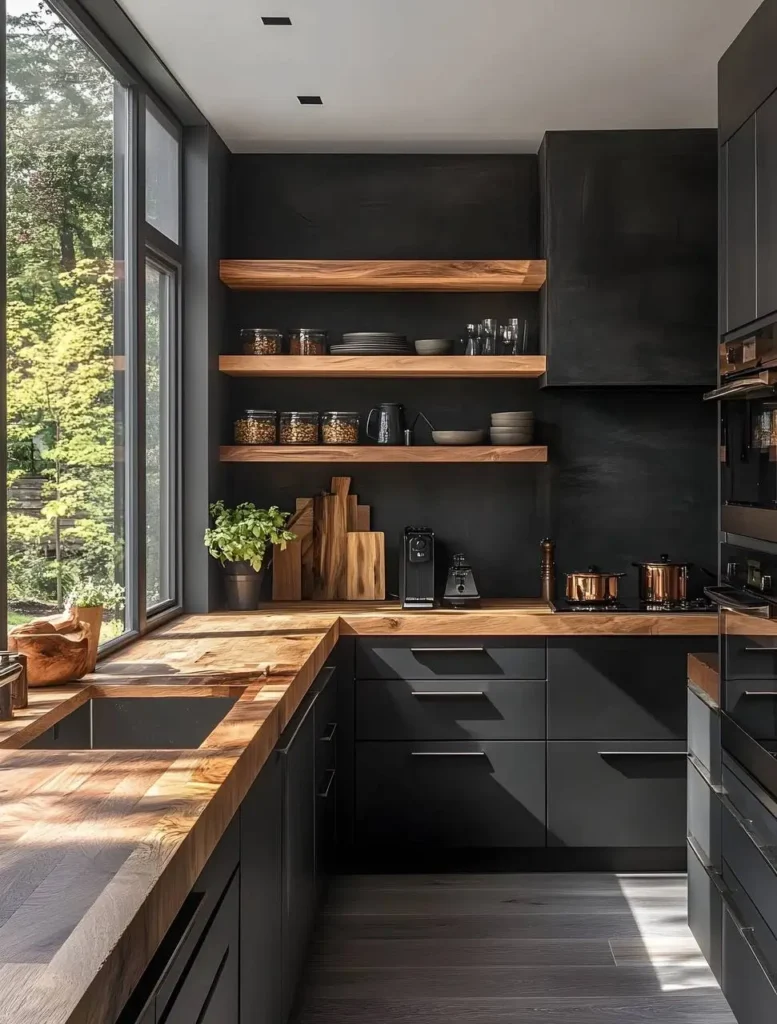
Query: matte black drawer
{"type": "Point", "coordinates": [454, 794]}
{"type": "Point", "coordinates": [432, 657]}
{"type": "Point", "coordinates": [752, 863]}
{"type": "Point", "coordinates": [326, 729]}
{"type": "Point", "coordinates": [704, 734]}
{"type": "Point", "coordinates": [747, 984]}
{"type": "Point", "coordinates": [752, 656]}
{"type": "Point", "coordinates": [616, 794]}
{"type": "Point", "coordinates": [704, 813]}
{"type": "Point", "coordinates": [450, 709]}
{"type": "Point", "coordinates": [705, 911]}
{"type": "Point", "coordinates": [617, 688]}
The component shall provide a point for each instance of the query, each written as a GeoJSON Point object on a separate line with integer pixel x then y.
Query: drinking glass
{"type": "Point", "coordinates": [514, 335]}
{"type": "Point", "coordinates": [488, 332]}
{"type": "Point", "coordinates": [472, 343]}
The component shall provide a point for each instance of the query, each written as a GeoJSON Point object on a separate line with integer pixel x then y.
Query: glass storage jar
{"type": "Point", "coordinates": [340, 427]}
{"type": "Point", "coordinates": [299, 428]}
{"type": "Point", "coordinates": [261, 341]}
{"type": "Point", "coordinates": [307, 341]}
{"type": "Point", "coordinates": [257, 426]}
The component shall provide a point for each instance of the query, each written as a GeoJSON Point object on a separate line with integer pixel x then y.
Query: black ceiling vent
{"type": "Point", "coordinates": [276, 21]}
{"type": "Point", "coordinates": [311, 101]}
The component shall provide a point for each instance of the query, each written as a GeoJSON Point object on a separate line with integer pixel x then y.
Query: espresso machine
{"type": "Point", "coordinates": [416, 567]}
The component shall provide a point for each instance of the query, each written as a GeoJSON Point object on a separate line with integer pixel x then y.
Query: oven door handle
{"type": "Point", "coordinates": [728, 604]}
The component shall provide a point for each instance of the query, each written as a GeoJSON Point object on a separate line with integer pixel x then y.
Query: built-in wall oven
{"type": "Point", "coordinates": [748, 434]}
{"type": "Point", "coordinates": [747, 606]}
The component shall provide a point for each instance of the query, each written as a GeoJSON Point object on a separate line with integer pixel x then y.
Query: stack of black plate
{"type": "Point", "coordinates": [372, 343]}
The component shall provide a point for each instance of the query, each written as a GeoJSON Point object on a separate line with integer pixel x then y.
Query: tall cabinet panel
{"type": "Point", "coordinates": [739, 219]}
{"type": "Point", "coordinates": [766, 206]}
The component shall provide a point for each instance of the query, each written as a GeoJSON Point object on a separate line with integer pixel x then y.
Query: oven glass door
{"type": "Point", "coordinates": [749, 452]}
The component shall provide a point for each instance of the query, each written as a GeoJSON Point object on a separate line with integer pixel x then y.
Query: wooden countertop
{"type": "Point", "coordinates": [98, 849]}
{"type": "Point", "coordinates": [704, 674]}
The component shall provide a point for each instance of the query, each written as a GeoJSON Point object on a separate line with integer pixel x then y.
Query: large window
{"type": "Point", "coordinates": [91, 387]}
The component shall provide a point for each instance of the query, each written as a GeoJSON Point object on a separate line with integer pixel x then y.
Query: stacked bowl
{"type": "Point", "coordinates": [514, 428]}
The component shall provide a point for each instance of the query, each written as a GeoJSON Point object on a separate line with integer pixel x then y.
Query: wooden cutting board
{"type": "Point", "coordinates": [330, 528]}
{"type": "Point", "coordinates": [365, 571]}
{"type": "Point", "coordinates": [304, 530]}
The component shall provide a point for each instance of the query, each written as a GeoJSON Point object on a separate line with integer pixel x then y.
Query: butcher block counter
{"type": "Point", "coordinates": [99, 849]}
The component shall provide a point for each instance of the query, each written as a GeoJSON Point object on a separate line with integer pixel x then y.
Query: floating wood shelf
{"type": "Point", "coordinates": [384, 275]}
{"type": "Point", "coordinates": [383, 366]}
{"type": "Point", "coordinates": [383, 453]}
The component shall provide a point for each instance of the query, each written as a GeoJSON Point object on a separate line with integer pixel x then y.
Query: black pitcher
{"type": "Point", "coordinates": [390, 423]}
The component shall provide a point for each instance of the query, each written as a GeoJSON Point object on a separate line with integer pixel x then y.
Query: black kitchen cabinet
{"type": "Point", "coordinates": [208, 992]}
{"type": "Point", "coordinates": [607, 793]}
{"type": "Point", "coordinates": [766, 206]}
{"type": "Point", "coordinates": [453, 795]}
{"type": "Point", "coordinates": [629, 227]}
{"type": "Point", "coordinates": [297, 749]}
{"type": "Point", "coordinates": [261, 879]}
{"type": "Point", "coordinates": [327, 724]}
{"type": "Point", "coordinates": [739, 219]}
{"type": "Point", "coordinates": [628, 688]}
{"type": "Point", "coordinates": [444, 657]}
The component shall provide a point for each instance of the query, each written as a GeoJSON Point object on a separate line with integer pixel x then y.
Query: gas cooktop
{"type": "Point", "coordinates": [697, 604]}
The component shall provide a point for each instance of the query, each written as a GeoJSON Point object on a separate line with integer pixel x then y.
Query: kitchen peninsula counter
{"type": "Point", "coordinates": [99, 849]}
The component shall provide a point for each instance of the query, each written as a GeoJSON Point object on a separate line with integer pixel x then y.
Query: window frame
{"type": "Point", "coordinates": [141, 240]}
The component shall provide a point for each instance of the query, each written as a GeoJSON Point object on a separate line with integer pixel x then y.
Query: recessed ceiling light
{"type": "Point", "coordinates": [313, 101]}
{"type": "Point", "coordinates": [276, 21]}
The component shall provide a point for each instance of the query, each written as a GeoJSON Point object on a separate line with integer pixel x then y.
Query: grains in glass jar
{"type": "Point", "coordinates": [307, 341]}
{"type": "Point", "coordinates": [261, 341]}
{"type": "Point", "coordinates": [256, 426]}
{"type": "Point", "coordinates": [299, 428]}
{"type": "Point", "coordinates": [340, 427]}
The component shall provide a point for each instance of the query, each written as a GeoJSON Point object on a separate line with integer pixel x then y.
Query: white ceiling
{"type": "Point", "coordinates": [441, 75]}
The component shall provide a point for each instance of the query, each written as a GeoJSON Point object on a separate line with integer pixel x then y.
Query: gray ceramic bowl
{"type": "Point", "coordinates": [433, 347]}
{"type": "Point", "coordinates": [511, 419]}
{"type": "Point", "coordinates": [458, 436]}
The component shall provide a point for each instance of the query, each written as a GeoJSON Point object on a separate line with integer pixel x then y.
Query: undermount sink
{"type": "Point", "coordinates": [136, 723]}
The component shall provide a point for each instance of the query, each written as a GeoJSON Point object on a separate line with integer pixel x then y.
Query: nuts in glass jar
{"type": "Point", "coordinates": [299, 428]}
{"type": "Point", "coordinates": [261, 341]}
{"type": "Point", "coordinates": [340, 427]}
{"type": "Point", "coordinates": [307, 341]}
{"type": "Point", "coordinates": [256, 426]}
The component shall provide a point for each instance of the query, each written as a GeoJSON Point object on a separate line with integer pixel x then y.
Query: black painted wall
{"type": "Point", "coordinates": [631, 473]}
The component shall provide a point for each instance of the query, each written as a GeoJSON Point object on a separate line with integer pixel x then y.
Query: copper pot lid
{"type": "Point", "coordinates": [594, 570]}
{"type": "Point", "coordinates": [662, 563]}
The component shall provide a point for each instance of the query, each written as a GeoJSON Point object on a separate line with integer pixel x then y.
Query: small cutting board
{"type": "Point", "coordinates": [365, 567]}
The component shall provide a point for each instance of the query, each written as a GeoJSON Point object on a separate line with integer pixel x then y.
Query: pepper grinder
{"type": "Point", "coordinates": [548, 571]}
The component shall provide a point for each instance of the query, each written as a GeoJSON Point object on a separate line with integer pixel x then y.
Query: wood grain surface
{"type": "Point", "coordinates": [107, 844]}
{"type": "Point", "coordinates": [365, 566]}
{"type": "Point", "coordinates": [704, 672]}
{"type": "Point", "coordinates": [382, 366]}
{"type": "Point", "coordinates": [382, 453]}
{"type": "Point", "coordinates": [385, 275]}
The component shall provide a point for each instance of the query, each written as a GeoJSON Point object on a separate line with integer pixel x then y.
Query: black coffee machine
{"type": "Point", "coordinates": [416, 567]}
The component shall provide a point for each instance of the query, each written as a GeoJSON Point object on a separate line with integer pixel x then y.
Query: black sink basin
{"type": "Point", "coordinates": [136, 723]}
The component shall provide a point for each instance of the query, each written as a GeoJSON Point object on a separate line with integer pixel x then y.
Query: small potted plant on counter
{"type": "Point", "coordinates": [88, 601]}
{"type": "Point", "coordinates": [239, 539]}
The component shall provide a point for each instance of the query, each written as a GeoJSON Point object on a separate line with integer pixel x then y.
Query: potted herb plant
{"type": "Point", "coordinates": [239, 539]}
{"type": "Point", "coordinates": [88, 601]}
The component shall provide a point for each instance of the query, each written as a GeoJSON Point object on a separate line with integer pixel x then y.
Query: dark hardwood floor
{"type": "Point", "coordinates": [508, 949]}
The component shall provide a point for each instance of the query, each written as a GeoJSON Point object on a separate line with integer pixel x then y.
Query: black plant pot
{"type": "Point", "coordinates": [243, 586]}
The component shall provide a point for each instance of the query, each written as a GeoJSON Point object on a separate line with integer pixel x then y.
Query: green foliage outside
{"type": "Point", "coordinates": [62, 430]}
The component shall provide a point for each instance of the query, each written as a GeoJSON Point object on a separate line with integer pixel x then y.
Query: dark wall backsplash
{"type": "Point", "coordinates": [631, 473]}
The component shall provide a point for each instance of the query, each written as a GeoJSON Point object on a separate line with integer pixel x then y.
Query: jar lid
{"type": "Point", "coordinates": [260, 330]}
{"type": "Point", "coordinates": [338, 412]}
{"type": "Point", "coordinates": [307, 330]}
{"type": "Point", "coordinates": [297, 412]}
{"type": "Point", "coordinates": [261, 412]}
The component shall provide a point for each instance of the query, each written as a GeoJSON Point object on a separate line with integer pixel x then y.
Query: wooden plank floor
{"type": "Point", "coordinates": [508, 949]}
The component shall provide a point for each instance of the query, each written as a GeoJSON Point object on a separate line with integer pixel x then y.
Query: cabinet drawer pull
{"type": "Point", "coordinates": [330, 735]}
{"type": "Point", "coordinates": [324, 793]}
{"type": "Point", "coordinates": [746, 933]}
{"type": "Point", "coordinates": [759, 693]}
{"type": "Point", "coordinates": [447, 753]}
{"type": "Point", "coordinates": [642, 753]}
{"type": "Point", "coordinates": [447, 693]}
{"type": "Point", "coordinates": [447, 650]}
{"type": "Point", "coordinates": [760, 650]}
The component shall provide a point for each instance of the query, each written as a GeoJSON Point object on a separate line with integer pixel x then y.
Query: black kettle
{"type": "Point", "coordinates": [390, 423]}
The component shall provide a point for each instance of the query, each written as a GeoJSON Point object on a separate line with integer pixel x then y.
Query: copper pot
{"type": "Point", "coordinates": [663, 581]}
{"type": "Point", "coordinates": [593, 586]}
